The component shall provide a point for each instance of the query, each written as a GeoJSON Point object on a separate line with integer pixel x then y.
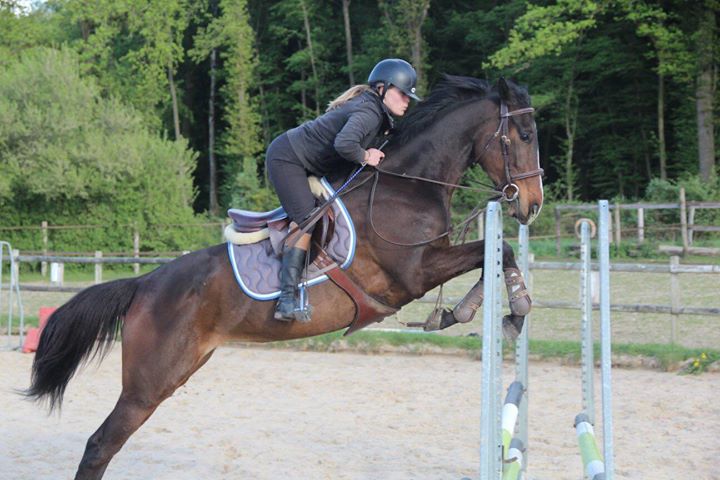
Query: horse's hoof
{"type": "Point", "coordinates": [512, 327]}
{"type": "Point", "coordinates": [438, 319]}
{"type": "Point", "coordinates": [465, 310]}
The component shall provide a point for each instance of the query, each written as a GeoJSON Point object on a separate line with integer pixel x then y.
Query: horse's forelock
{"type": "Point", "coordinates": [519, 93]}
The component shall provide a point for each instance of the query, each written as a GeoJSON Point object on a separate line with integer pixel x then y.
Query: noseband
{"type": "Point", "coordinates": [509, 189]}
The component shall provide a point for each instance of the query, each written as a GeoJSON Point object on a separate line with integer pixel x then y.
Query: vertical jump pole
{"type": "Point", "coordinates": [605, 334]}
{"type": "Point", "coordinates": [522, 348]}
{"type": "Point", "coordinates": [490, 420]}
{"type": "Point", "coordinates": [13, 295]}
{"type": "Point", "coordinates": [587, 362]}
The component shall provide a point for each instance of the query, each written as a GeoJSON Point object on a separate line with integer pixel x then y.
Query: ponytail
{"type": "Point", "coordinates": [348, 94]}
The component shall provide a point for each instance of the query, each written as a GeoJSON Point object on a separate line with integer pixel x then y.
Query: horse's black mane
{"type": "Point", "coordinates": [450, 93]}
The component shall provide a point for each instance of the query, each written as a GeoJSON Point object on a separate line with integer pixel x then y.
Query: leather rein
{"type": "Point", "coordinates": [504, 195]}
{"type": "Point", "coordinates": [501, 191]}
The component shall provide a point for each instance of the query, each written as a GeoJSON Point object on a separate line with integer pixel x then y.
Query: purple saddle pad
{"type": "Point", "coordinates": [257, 268]}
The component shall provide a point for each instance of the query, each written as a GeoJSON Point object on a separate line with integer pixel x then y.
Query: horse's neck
{"type": "Point", "coordinates": [442, 152]}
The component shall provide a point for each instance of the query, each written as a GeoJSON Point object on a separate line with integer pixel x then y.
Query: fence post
{"type": "Point", "coordinates": [557, 231]}
{"type": "Point", "coordinates": [691, 224]}
{"type": "Point", "coordinates": [641, 225]}
{"type": "Point", "coordinates": [683, 221]}
{"type": "Point", "coordinates": [98, 268]}
{"type": "Point", "coordinates": [618, 233]}
{"type": "Point", "coordinates": [136, 250]}
{"type": "Point", "coordinates": [15, 271]}
{"type": "Point", "coordinates": [57, 273]}
{"type": "Point", "coordinates": [481, 226]}
{"type": "Point", "coordinates": [674, 297]}
{"type": "Point", "coordinates": [44, 229]}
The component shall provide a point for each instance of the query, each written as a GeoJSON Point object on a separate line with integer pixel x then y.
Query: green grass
{"type": "Point", "coordinates": [86, 273]}
{"type": "Point", "coordinates": [664, 356]}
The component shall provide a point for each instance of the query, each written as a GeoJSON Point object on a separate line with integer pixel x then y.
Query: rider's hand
{"type": "Point", "coordinates": [373, 156]}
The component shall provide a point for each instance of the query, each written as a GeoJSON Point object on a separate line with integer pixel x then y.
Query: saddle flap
{"type": "Point", "coordinates": [278, 230]}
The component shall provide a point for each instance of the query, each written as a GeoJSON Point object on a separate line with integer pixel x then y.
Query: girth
{"type": "Point", "coordinates": [367, 309]}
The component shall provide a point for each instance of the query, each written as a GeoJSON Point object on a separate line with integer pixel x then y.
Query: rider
{"type": "Point", "coordinates": [343, 133]}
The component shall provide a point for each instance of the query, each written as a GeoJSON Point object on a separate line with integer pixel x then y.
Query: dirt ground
{"type": "Point", "coordinates": [265, 414]}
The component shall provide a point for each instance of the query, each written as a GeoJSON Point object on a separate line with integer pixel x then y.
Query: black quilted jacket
{"type": "Point", "coordinates": [342, 134]}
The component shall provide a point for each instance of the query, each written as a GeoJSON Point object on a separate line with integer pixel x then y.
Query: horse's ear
{"type": "Point", "coordinates": [504, 89]}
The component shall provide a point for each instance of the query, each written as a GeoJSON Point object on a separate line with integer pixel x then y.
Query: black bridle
{"type": "Point", "coordinates": [503, 133]}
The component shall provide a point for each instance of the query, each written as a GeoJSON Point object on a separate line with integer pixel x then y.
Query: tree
{"type": "Point", "coordinates": [404, 20]}
{"type": "Point", "coordinates": [544, 31]}
{"type": "Point", "coordinates": [348, 40]}
{"type": "Point", "coordinates": [671, 51]}
{"type": "Point", "coordinates": [133, 47]}
{"type": "Point", "coordinates": [242, 147]}
{"type": "Point", "coordinates": [73, 156]}
{"type": "Point", "coordinates": [706, 87]}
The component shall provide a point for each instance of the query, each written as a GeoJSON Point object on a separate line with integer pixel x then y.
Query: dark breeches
{"type": "Point", "coordinates": [289, 178]}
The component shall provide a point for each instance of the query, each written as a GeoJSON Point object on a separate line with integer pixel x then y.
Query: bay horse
{"type": "Point", "coordinates": [173, 318]}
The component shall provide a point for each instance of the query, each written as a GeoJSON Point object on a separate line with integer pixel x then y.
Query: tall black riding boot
{"type": "Point", "coordinates": [293, 262]}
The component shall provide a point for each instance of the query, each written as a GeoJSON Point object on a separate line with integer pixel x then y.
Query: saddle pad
{"type": "Point", "coordinates": [257, 269]}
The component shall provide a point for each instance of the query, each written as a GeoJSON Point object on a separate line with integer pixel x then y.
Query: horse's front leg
{"type": "Point", "coordinates": [463, 258]}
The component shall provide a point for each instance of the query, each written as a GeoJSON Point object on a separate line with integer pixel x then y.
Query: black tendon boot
{"type": "Point", "coordinates": [293, 261]}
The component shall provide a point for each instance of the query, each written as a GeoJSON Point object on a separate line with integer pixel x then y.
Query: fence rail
{"type": "Point", "coordinates": [687, 224]}
{"type": "Point", "coordinates": [674, 268]}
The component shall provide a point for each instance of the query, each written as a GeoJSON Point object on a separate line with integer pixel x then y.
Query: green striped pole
{"type": "Point", "coordinates": [593, 465]}
{"type": "Point", "coordinates": [510, 414]}
{"type": "Point", "coordinates": [513, 467]}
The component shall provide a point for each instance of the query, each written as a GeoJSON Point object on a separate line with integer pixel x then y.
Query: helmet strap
{"type": "Point", "coordinates": [382, 95]}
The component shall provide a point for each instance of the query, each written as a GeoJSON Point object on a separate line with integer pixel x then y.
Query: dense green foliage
{"type": "Point", "coordinates": [616, 86]}
{"type": "Point", "coordinates": [75, 158]}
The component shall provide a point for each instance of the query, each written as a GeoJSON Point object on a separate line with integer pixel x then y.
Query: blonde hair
{"type": "Point", "coordinates": [348, 94]}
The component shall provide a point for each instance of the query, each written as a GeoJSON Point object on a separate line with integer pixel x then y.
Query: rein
{"type": "Point", "coordinates": [501, 191]}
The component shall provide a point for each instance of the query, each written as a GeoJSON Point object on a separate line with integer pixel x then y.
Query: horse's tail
{"type": "Point", "coordinates": [87, 324]}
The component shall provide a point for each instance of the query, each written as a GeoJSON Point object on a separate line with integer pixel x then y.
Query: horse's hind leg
{"type": "Point", "coordinates": [151, 373]}
{"type": "Point", "coordinates": [126, 417]}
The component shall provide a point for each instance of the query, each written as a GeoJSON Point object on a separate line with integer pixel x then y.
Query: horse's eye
{"type": "Point", "coordinates": [524, 136]}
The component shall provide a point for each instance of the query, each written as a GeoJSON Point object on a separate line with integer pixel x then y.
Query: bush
{"type": "Point", "coordinates": [71, 157]}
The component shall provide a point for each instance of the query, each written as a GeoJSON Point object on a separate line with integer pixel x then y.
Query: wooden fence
{"type": "Point", "coordinates": [45, 228]}
{"type": "Point", "coordinates": [674, 268]}
{"type": "Point", "coordinates": [687, 224]}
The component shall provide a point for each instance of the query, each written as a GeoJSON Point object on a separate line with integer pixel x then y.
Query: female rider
{"type": "Point", "coordinates": [343, 133]}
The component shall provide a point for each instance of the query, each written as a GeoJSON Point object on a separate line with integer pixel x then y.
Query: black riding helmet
{"type": "Point", "coordinates": [395, 72]}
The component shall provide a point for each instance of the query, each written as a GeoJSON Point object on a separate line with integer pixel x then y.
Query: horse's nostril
{"type": "Point", "coordinates": [535, 208]}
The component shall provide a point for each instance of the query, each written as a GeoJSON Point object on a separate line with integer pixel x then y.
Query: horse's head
{"type": "Point", "coordinates": [465, 120]}
{"type": "Point", "coordinates": [508, 151]}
